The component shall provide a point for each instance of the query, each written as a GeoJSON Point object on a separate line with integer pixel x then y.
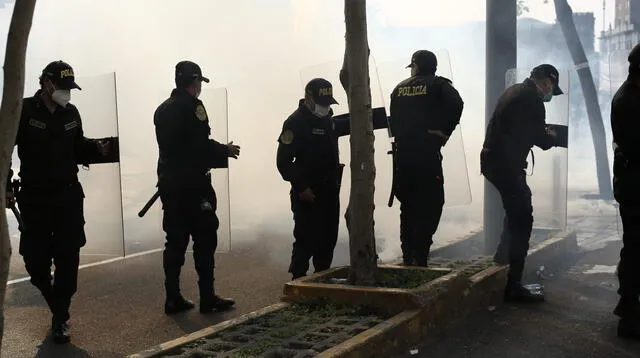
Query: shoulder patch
{"type": "Point", "coordinates": [201, 113]}
{"type": "Point", "coordinates": [286, 137]}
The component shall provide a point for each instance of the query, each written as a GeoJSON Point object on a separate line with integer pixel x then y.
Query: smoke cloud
{"type": "Point", "coordinates": [258, 50]}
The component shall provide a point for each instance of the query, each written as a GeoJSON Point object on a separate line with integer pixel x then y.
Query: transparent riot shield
{"type": "Point", "coordinates": [618, 67]}
{"type": "Point", "coordinates": [454, 163]}
{"type": "Point", "coordinates": [101, 182]}
{"type": "Point", "coordinates": [547, 171]}
{"type": "Point", "coordinates": [138, 160]}
{"type": "Point", "coordinates": [215, 103]}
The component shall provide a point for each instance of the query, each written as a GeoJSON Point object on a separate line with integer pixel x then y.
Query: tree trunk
{"type": "Point", "coordinates": [565, 18]}
{"type": "Point", "coordinates": [10, 110]}
{"type": "Point", "coordinates": [355, 77]}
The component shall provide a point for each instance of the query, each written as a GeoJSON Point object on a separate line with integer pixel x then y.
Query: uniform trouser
{"type": "Point", "coordinates": [315, 230]}
{"type": "Point", "coordinates": [53, 232]}
{"type": "Point", "coordinates": [420, 190]}
{"type": "Point", "coordinates": [629, 265]}
{"type": "Point", "coordinates": [189, 212]}
{"type": "Point", "coordinates": [518, 221]}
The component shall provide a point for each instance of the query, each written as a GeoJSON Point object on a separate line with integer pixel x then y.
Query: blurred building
{"type": "Point", "coordinates": [623, 33]}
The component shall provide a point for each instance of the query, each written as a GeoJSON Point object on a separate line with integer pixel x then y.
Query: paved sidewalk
{"type": "Point", "coordinates": [118, 309]}
{"type": "Point", "coordinates": [576, 320]}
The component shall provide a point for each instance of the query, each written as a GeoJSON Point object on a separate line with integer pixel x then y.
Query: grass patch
{"type": "Point", "coordinates": [279, 333]}
{"type": "Point", "coordinates": [255, 349]}
{"type": "Point", "coordinates": [406, 278]}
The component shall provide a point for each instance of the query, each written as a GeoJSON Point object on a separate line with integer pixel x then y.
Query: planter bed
{"type": "Point", "coordinates": [297, 330]}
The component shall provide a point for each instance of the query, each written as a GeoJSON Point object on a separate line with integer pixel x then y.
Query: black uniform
{"type": "Point", "coordinates": [308, 157]}
{"type": "Point", "coordinates": [186, 154]}
{"type": "Point", "coordinates": [517, 124]}
{"type": "Point", "coordinates": [419, 104]}
{"type": "Point", "coordinates": [625, 112]}
{"type": "Point", "coordinates": [51, 145]}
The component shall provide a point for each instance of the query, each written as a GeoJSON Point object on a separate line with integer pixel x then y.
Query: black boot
{"type": "Point", "coordinates": [627, 307]}
{"type": "Point", "coordinates": [60, 331]}
{"type": "Point", "coordinates": [515, 292]}
{"type": "Point", "coordinates": [177, 304]}
{"type": "Point", "coordinates": [422, 255]}
{"type": "Point", "coordinates": [296, 276]}
{"type": "Point", "coordinates": [215, 303]}
{"type": "Point", "coordinates": [629, 328]}
{"type": "Point", "coordinates": [408, 262]}
{"type": "Point", "coordinates": [501, 257]}
{"type": "Point", "coordinates": [48, 297]}
{"type": "Point", "coordinates": [174, 302]}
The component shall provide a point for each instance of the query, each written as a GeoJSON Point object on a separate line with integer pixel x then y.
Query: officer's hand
{"type": "Point", "coordinates": [234, 150]}
{"type": "Point", "coordinates": [307, 195]}
{"type": "Point", "coordinates": [103, 147]}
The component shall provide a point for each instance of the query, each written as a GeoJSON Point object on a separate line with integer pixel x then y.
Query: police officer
{"type": "Point", "coordinates": [424, 111]}
{"type": "Point", "coordinates": [51, 145]}
{"type": "Point", "coordinates": [308, 158]}
{"type": "Point", "coordinates": [186, 155]}
{"type": "Point", "coordinates": [516, 125]}
{"type": "Point", "coordinates": [625, 128]}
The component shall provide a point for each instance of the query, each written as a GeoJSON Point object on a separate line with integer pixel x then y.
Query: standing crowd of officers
{"type": "Point", "coordinates": [424, 111]}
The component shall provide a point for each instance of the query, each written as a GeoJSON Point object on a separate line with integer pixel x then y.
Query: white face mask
{"type": "Point", "coordinates": [321, 111]}
{"type": "Point", "coordinates": [61, 97]}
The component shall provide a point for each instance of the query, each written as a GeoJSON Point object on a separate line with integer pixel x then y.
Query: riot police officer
{"type": "Point", "coordinates": [424, 111]}
{"type": "Point", "coordinates": [626, 175]}
{"type": "Point", "coordinates": [308, 158]}
{"type": "Point", "coordinates": [516, 125]}
{"type": "Point", "coordinates": [186, 155]}
{"type": "Point", "coordinates": [51, 145]}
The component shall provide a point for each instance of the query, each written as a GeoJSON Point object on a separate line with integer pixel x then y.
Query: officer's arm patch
{"type": "Point", "coordinates": [69, 126]}
{"type": "Point", "coordinates": [286, 137]}
{"type": "Point", "coordinates": [201, 113]}
{"type": "Point", "coordinates": [37, 124]}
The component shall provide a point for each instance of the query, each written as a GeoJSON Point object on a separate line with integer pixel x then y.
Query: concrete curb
{"type": "Point", "coordinates": [558, 245]}
{"type": "Point", "coordinates": [410, 327]}
{"type": "Point", "coordinates": [163, 348]}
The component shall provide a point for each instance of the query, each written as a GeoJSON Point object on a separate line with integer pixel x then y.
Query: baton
{"type": "Point", "coordinates": [149, 203]}
{"type": "Point", "coordinates": [16, 213]}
